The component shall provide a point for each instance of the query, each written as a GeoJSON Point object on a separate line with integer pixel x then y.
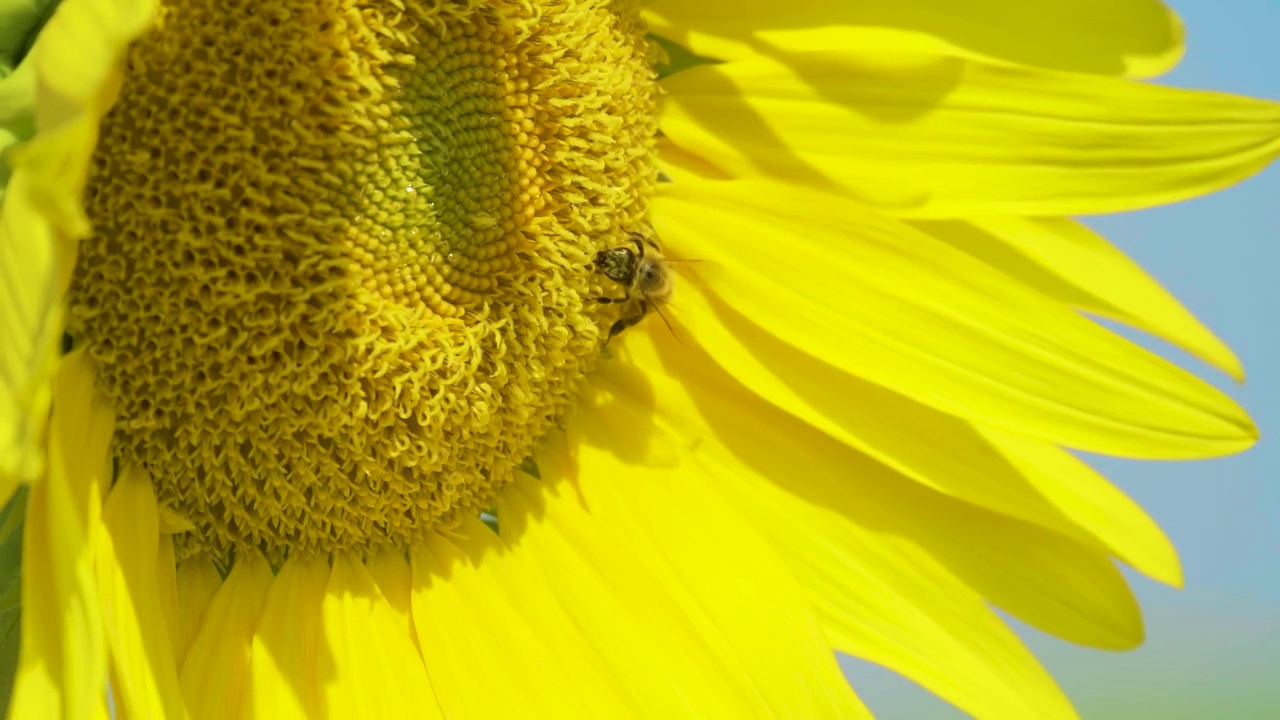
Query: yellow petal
{"type": "Point", "coordinates": [1092, 503]}
{"type": "Point", "coordinates": [461, 655]}
{"type": "Point", "coordinates": [215, 674]}
{"type": "Point", "coordinates": [290, 660]}
{"type": "Point", "coordinates": [880, 595]}
{"type": "Point", "coordinates": [1066, 588]}
{"type": "Point", "coordinates": [886, 600]}
{"type": "Point", "coordinates": [1138, 38]}
{"type": "Point", "coordinates": [171, 523]}
{"type": "Point", "coordinates": [82, 425]}
{"type": "Point", "coordinates": [679, 164]}
{"type": "Point", "coordinates": [79, 433]}
{"type": "Point", "coordinates": [486, 641]}
{"type": "Point", "coordinates": [63, 658]}
{"type": "Point", "coordinates": [146, 678]}
{"type": "Point", "coordinates": [1067, 261]}
{"type": "Point", "coordinates": [614, 420]}
{"type": "Point", "coordinates": [723, 575]}
{"type": "Point", "coordinates": [377, 671]}
{"type": "Point", "coordinates": [898, 308]}
{"type": "Point", "coordinates": [167, 584]}
{"type": "Point", "coordinates": [77, 59]}
{"type": "Point", "coordinates": [78, 55]}
{"type": "Point", "coordinates": [197, 582]}
{"type": "Point", "coordinates": [934, 137]}
{"type": "Point", "coordinates": [76, 70]}
{"type": "Point", "coordinates": [390, 570]}
{"type": "Point", "coordinates": [30, 319]}
{"type": "Point", "coordinates": [38, 685]}
{"type": "Point", "coordinates": [628, 641]}
{"type": "Point", "coordinates": [1019, 477]}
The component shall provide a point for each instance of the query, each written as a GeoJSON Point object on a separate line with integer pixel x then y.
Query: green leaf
{"type": "Point", "coordinates": [11, 525]}
{"type": "Point", "coordinates": [20, 23]}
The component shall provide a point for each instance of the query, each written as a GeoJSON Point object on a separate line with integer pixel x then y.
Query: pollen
{"type": "Point", "coordinates": [339, 282]}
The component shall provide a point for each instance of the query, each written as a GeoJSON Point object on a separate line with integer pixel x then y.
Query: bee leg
{"type": "Point", "coordinates": [614, 331]}
{"type": "Point", "coordinates": [626, 322]}
{"type": "Point", "coordinates": [608, 300]}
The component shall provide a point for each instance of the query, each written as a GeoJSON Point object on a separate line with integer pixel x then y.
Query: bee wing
{"type": "Point", "coordinates": [700, 272]}
{"type": "Point", "coordinates": [697, 269]}
{"type": "Point", "coordinates": [683, 323]}
{"type": "Point", "coordinates": [672, 322]}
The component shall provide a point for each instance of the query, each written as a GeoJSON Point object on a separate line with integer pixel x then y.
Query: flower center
{"type": "Point", "coordinates": [339, 280]}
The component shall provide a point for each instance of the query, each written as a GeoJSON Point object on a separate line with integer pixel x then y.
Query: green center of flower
{"type": "Point", "coordinates": [339, 282]}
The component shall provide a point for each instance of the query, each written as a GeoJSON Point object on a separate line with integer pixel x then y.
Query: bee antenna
{"type": "Point", "coordinates": [638, 238]}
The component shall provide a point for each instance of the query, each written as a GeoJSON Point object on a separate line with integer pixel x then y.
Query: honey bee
{"type": "Point", "coordinates": [646, 280]}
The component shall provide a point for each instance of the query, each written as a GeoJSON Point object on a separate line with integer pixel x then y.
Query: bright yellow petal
{"type": "Point", "coordinates": [461, 654]}
{"type": "Point", "coordinates": [1092, 503]}
{"type": "Point", "coordinates": [725, 577]}
{"type": "Point", "coordinates": [487, 640]}
{"type": "Point", "coordinates": [215, 675]}
{"type": "Point", "coordinates": [932, 137]}
{"type": "Point", "coordinates": [30, 319]}
{"type": "Point", "coordinates": [76, 71]}
{"type": "Point", "coordinates": [145, 676]}
{"type": "Point", "coordinates": [378, 672]}
{"type": "Point", "coordinates": [530, 556]}
{"type": "Point", "coordinates": [884, 599]}
{"type": "Point", "coordinates": [79, 433]}
{"type": "Point", "coordinates": [37, 688]}
{"type": "Point", "coordinates": [390, 570]}
{"type": "Point", "coordinates": [1026, 479]}
{"type": "Point", "coordinates": [1066, 588]}
{"type": "Point", "coordinates": [1065, 260]}
{"type": "Point", "coordinates": [628, 639]}
{"type": "Point", "coordinates": [876, 578]}
{"type": "Point", "coordinates": [1138, 38]}
{"type": "Point", "coordinates": [290, 660]}
{"type": "Point", "coordinates": [898, 308]}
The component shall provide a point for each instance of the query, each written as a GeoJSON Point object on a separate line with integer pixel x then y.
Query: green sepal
{"type": "Point", "coordinates": [678, 57]}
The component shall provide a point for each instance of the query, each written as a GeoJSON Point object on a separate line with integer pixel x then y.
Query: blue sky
{"type": "Point", "coordinates": [1213, 649]}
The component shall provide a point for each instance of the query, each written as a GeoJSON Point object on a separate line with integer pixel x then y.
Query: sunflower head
{"type": "Point", "coordinates": [340, 275]}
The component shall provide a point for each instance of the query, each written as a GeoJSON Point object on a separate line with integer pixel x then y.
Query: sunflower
{"type": "Point", "coordinates": [331, 385]}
